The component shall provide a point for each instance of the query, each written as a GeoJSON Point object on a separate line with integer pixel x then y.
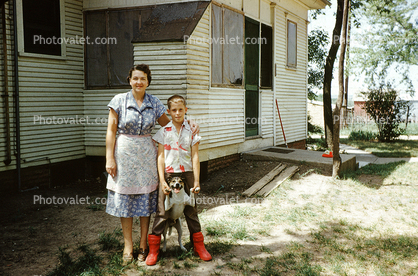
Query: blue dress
{"type": "Point", "coordinates": [133, 191]}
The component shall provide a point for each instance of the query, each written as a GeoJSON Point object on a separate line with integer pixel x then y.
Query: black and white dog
{"type": "Point", "coordinates": [174, 205]}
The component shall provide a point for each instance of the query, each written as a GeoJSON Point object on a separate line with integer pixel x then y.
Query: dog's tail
{"type": "Point", "coordinates": [169, 230]}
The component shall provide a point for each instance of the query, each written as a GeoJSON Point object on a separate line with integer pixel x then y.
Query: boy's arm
{"type": "Point", "coordinates": [161, 169]}
{"type": "Point", "coordinates": [196, 168]}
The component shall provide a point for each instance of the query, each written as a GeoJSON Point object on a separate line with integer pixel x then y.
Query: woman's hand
{"type": "Point", "coordinates": [111, 167]}
{"type": "Point", "coordinates": [194, 126]}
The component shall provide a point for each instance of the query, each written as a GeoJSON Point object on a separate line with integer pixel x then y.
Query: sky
{"type": "Point", "coordinates": [356, 83]}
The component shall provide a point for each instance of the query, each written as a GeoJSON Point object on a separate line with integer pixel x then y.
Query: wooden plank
{"type": "Point", "coordinates": [263, 181]}
{"type": "Point", "coordinates": [286, 174]}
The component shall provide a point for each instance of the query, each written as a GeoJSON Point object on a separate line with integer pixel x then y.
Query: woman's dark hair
{"type": "Point", "coordinates": [140, 67]}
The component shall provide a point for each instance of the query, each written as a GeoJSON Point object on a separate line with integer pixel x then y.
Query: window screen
{"type": "Point", "coordinates": [216, 64]}
{"type": "Point", "coordinates": [233, 63]}
{"type": "Point", "coordinates": [291, 44]}
{"type": "Point", "coordinates": [227, 47]}
{"type": "Point", "coordinates": [123, 25]}
{"type": "Point", "coordinates": [41, 26]}
{"type": "Point", "coordinates": [96, 55]}
{"type": "Point", "coordinates": [108, 64]}
{"type": "Point", "coordinates": [266, 56]}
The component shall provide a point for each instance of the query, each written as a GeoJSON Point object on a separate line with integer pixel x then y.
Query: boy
{"type": "Point", "coordinates": [178, 154]}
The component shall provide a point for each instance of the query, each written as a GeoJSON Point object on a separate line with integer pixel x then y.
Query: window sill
{"type": "Point", "coordinates": [24, 54]}
{"type": "Point", "coordinates": [108, 87]}
{"type": "Point", "coordinates": [253, 137]}
{"type": "Point", "coordinates": [293, 68]}
{"type": "Point", "coordinates": [238, 88]}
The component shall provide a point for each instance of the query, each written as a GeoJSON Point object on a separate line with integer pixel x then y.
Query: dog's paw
{"type": "Point", "coordinates": [183, 248]}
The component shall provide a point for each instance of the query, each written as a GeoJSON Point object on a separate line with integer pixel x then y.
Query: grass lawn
{"type": "Point", "coordinates": [319, 226]}
{"type": "Point", "coordinates": [398, 148]}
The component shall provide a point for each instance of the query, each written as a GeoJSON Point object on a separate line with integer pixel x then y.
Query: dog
{"type": "Point", "coordinates": [174, 205]}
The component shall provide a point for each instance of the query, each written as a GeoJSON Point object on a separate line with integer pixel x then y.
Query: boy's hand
{"type": "Point", "coordinates": [166, 188]}
{"type": "Point", "coordinates": [196, 188]}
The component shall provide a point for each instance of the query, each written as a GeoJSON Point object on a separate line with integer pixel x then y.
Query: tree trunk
{"type": "Point", "coordinates": [329, 66]}
{"type": "Point", "coordinates": [336, 165]}
{"type": "Point", "coordinates": [345, 102]}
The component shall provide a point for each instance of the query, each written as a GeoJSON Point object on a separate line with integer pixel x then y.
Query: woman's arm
{"type": "Point", "coordinates": [163, 120]}
{"type": "Point", "coordinates": [112, 128]}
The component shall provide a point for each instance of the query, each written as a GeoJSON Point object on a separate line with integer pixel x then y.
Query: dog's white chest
{"type": "Point", "coordinates": [176, 203]}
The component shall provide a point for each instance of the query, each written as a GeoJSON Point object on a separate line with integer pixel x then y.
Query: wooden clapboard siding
{"type": "Point", "coordinates": [198, 77]}
{"type": "Point", "coordinates": [267, 113]}
{"type": "Point", "coordinates": [184, 68]}
{"type": "Point", "coordinates": [95, 108]}
{"type": "Point", "coordinates": [10, 58]}
{"type": "Point", "coordinates": [290, 84]}
{"type": "Point", "coordinates": [219, 111]}
{"type": "Point", "coordinates": [53, 87]}
{"type": "Point", "coordinates": [168, 64]}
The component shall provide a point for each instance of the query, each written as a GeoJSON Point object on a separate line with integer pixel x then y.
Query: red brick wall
{"type": "Point", "coordinates": [297, 145]}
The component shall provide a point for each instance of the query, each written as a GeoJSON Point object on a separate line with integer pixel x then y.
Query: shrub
{"type": "Point", "coordinates": [362, 135]}
{"type": "Point", "coordinates": [313, 128]}
{"type": "Point", "coordinates": [386, 109]}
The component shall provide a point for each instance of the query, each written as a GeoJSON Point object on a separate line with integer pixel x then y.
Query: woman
{"type": "Point", "coordinates": [131, 157]}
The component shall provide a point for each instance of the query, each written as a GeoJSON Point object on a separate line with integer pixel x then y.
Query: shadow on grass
{"type": "Point", "coordinates": [397, 148]}
{"type": "Point", "coordinates": [377, 175]}
{"type": "Point", "coordinates": [337, 248]}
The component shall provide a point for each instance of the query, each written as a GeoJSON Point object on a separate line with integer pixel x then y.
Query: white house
{"type": "Point", "coordinates": [66, 59]}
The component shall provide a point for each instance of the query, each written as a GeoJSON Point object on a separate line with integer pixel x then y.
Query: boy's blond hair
{"type": "Point", "coordinates": [174, 99]}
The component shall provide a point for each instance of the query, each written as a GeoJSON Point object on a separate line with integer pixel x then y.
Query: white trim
{"type": "Point", "coordinates": [275, 68]}
{"type": "Point", "coordinates": [20, 33]}
{"type": "Point", "coordinates": [210, 46]}
{"type": "Point", "coordinates": [34, 55]}
{"type": "Point", "coordinates": [226, 88]}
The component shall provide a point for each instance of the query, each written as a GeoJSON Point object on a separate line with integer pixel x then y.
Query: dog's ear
{"type": "Point", "coordinates": [168, 179]}
{"type": "Point", "coordinates": [183, 179]}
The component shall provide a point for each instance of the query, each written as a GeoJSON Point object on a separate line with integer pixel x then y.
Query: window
{"type": "Point", "coordinates": [41, 26]}
{"type": "Point", "coordinates": [227, 47]}
{"type": "Point", "coordinates": [266, 56]}
{"type": "Point", "coordinates": [291, 44]}
{"type": "Point", "coordinates": [109, 53]}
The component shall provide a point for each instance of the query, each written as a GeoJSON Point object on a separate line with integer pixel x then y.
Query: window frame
{"type": "Point", "coordinates": [289, 65]}
{"type": "Point", "coordinates": [21, 38]}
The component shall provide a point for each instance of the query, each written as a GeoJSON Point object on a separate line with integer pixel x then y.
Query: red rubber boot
{"type": "Point", "coordinates": [154, 249]}
{"type": "Point", "coordinates": [199, 247]}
